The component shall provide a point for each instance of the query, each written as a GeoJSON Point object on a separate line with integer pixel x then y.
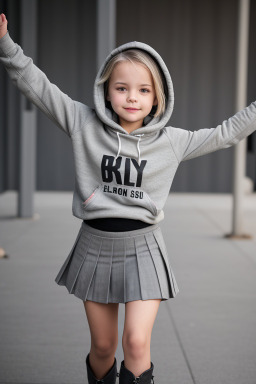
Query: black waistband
{"type": "Point", "coordinates": [116, 224]}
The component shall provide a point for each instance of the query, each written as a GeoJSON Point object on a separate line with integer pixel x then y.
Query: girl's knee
{"type": "Point", "coordinates": [104, 348]}
{"type": "Point", "coordinates": [135, 344]}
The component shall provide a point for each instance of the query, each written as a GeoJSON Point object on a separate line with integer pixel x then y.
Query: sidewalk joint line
{"type": "Point", "coordinates": [181, 345]}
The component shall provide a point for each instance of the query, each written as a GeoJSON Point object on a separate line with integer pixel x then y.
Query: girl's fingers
{"type": "Point", "coordinates": [2, 18]}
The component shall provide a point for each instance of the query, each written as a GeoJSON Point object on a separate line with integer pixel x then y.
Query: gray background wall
{"type": "Point", "coordinates": [197, 40]}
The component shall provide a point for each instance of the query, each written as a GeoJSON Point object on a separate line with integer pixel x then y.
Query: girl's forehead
{"type": "Point", "coordinates": [130, 70]}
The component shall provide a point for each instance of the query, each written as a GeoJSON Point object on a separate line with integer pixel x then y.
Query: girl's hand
{"type": "Point", "coordinates": [3, 25]}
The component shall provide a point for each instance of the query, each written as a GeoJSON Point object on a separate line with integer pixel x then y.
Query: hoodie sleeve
{"type": "Point", "coordinates": [188, 144]}
{"type": "Point", "coordinates": [34, 84]}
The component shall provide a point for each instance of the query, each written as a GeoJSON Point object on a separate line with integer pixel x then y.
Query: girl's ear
{"type": "Point", "coordinates": [155, 101]}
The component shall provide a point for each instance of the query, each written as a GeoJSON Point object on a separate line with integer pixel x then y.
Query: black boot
{"type": "Point", "coordinates": [109, 378]}
{"type": "Point", "coordinates": [127, 377]}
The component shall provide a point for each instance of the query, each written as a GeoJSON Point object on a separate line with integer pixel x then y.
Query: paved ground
{"type": "Point", "coordinates": [206, 335]}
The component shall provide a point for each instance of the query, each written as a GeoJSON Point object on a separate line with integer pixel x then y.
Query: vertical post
{"type": "Point", "coordinates": [27, 165]}
{"type": "Point", "coordinates": [106, 29]}
{"type": "Point", "coordinates": [241, 102]}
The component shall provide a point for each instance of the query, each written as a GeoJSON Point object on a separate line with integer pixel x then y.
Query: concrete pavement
{"type": "Point", "coordinates": [206, 335]}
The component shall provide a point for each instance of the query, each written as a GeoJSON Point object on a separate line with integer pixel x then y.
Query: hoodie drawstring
{"type": "Point", "coordinates": [120, 145]}
{"type": "Point", "coordinates": [138, 147]}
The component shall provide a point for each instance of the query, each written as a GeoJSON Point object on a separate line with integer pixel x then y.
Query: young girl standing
{"type": "Point", "coordinates": [125, 160]}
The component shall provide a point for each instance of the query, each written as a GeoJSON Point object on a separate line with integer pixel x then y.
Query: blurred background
{"type": "Point", "coordinates": [197, 40]}
{"type": "Point", "coordinates": [207, 334]}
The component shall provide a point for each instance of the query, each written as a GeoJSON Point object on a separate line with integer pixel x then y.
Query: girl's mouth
{"type": "Point", "coordinates": [131, 109]}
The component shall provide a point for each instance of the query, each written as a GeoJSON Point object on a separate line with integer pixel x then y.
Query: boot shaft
{"type": "Point", "coordinates": [109, 378]}
{"type": "Point", "coordinates": [127, 377]}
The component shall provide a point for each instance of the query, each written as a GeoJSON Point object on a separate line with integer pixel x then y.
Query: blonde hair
{"type": "Point", "coordinates": [138, 56]}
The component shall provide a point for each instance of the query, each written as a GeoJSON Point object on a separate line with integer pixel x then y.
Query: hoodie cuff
{"type": "Point", "coordinates": [6, 45]}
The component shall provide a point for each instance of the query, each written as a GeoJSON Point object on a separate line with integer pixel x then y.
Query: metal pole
{"type": "Point", "coordinates": [106, 29]}
{"type": "Point", "coordinates": [241, 102]}
{"type": "Point", "coordinates": [27, 165]}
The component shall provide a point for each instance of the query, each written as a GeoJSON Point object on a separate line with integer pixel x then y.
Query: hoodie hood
{"type": "Point", "coordinates": [151, 124]}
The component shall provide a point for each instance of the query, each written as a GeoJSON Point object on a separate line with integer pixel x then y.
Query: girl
{"type": "Point", "coordinates": [125, 160]}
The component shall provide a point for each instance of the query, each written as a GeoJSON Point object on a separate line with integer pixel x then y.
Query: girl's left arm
{"type": "Point", "coordinates": [188, 144]}
{"type": "Point", "coordinates": [35, 85]}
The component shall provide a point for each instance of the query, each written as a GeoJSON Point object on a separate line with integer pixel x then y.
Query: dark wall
{"type": "Point", "coordinates": [9, 108]}
{"type": "Point", "coordinates": [67, 53]}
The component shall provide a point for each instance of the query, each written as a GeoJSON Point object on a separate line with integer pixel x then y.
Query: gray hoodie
{"type": "Point", "coordinates": [119, 174]}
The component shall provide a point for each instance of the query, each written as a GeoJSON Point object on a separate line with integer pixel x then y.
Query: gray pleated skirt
{"type": "Point", "coordinates": [117, 267]}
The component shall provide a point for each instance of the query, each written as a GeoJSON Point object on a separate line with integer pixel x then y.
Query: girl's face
{"type": "Point", "coordinates": [131, 93]}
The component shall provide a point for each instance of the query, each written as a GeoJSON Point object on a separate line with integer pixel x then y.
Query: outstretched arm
{"type": "Point", "coordinates": [34, 84]}
{"type": "Point", "coordinates": [188, 145]}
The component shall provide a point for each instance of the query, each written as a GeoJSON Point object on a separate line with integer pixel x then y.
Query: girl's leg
{"type": "Point", "coordinates": [103, 324]}
{"type": "Point", "coordinates": [139, 320]}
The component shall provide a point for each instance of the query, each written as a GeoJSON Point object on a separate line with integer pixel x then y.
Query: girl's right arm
{"type": "Point", "coordinates": [190, 144]}
{"type": "Point", "coordinates": [34, 84]}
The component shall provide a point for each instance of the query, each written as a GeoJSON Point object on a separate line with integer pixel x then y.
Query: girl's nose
{"type": "Point", "coordinates": [132, 97]}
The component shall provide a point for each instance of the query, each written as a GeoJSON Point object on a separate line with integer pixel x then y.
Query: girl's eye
{"type": "Point", "coordinates": [123, 89]}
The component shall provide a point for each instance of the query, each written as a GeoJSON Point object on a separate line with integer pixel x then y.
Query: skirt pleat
{"type": "Point", "coordinates": [148, 278]}
{"type": "Point", "coordinates": [88, 268]}
{"type": "Point", "coordinates": [160, 241]}
{"type": "Point", "coordinates": [119, 267]}
{"type": "Point", "coordinates": [99, 287]}
{"type": "Point", "coordinates": [117, 276]}
{"type": "Point", "coordinates": [62, 275]}
{"type": "Point", "coordinates": [132, 278]}
{"type": "Point", "coordinates": [160, 267]}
